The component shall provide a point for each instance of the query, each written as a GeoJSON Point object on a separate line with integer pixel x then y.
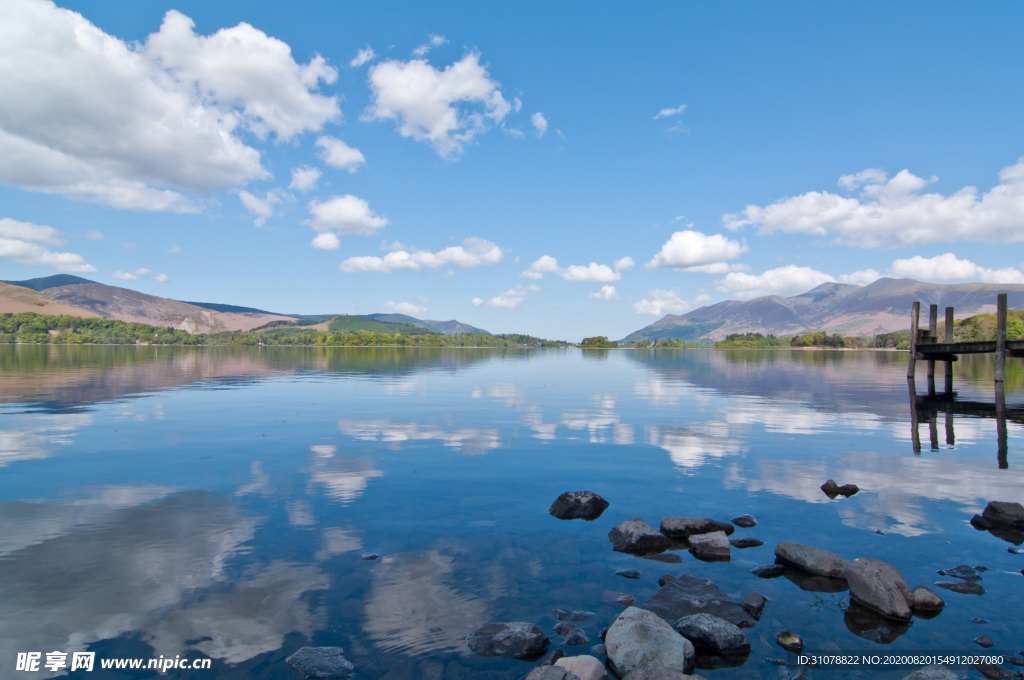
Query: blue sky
{"type": "Point", "coordinates": [524, 168]}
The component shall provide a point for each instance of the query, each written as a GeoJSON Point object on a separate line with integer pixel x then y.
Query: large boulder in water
{"type": "Point", "coordinates": [811, 560]}
{"type": "Point", "coordinates": [517, 640]}
{"type": "Point", "coordinates": [637, 537]}
{"type": "Point", "coordinates": [713, 547]}
{"type": "Point", "coordinates": [321, 663]}
{"type": "Point", "coordinates": [684, 527]}
{"type": "Point", "coordinates": [713, 634]}
{"type": "Point", "coordinates": [638, 637]}
{"type": "Point", "coordinates": [688, 595]}
{"type": "Point", "coordinates": [585, 505]}
{"type": "Point", "coordinates": [584, 667]}
{"type": "Point", "coordinates": [879, 587]}
{"type": "Point", "coordinates": [1005, 514]}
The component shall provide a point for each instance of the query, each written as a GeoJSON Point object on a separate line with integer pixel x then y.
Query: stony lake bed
{"type": "Point", "coordinates": [242, 504]}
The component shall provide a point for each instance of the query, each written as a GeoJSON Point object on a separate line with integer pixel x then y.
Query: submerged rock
{"type": "Point", "coordinates": [742, 543]}
{"type": "Point", "coordinates": [769, 570]}
{"type": "Point", "coordinates": [628, 573]}
{"type": "Point", "coordinates": [665, 578]}
{"type": "Point", "coordinates": [994, 672]}
{"type": "Point", "coordinates": [871, 625]}
{"type": "Point", "coordinates": [924, 600]}
{"type": "Point", "coordinates": [572, 614]}
{"type": "Point", "coordinates": [963, 572]}
{"type": "Point", "coordinates": [585, 667]}
{"type": "Point", "coordinates": [984, 641]}
{"type": "Point", "coordinates": [585, 505]}
{"type": "Point", "coordinates": [791, 642]}
{"type": "Point", "coordinates": [321, 663]}
{"type": "Point", "coordinates": [713, 634]}
{"type": "Point", "coordinates": [638, 537]}
{"type": "Point", "coordinates": [962, 587]}
{"type": "Point", "coordinates": [1004, 513]}
{"type": "Point", "coordinates": [879, 587]}
{"type": "Point", "coordinates": [713, 547]}
{"type": "Point", "coordinates": [745, 521]}
{"type": "Point", "coordinates": [811, 559]}
{"type": "Point", "coordinates": [571, 633]}
{"type": "Point", "coordinates": [689, 595]}
{"type": "Point", "coordinates": [550, 672]}
{"type": "Point", "coordinates": [932, 673]}
{"type": "Point", "coordinates": [639, 636]}
{"type": "Point", "coordinates": [655, 671]}
{"type": "Point", "coordinates": [517, 640]}
{"type": "Point", "coordinates": [615, 596]}
{"type": "Point", "coordinates": [684, 527]}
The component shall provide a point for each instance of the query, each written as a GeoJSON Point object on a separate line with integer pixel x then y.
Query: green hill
{"type": "Point", "coordinates": [349, 324]}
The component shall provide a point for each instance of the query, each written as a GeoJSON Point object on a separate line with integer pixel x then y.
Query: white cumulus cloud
{"type": "Point", "coordinates": [338, 154]}
{"type": "Point", "coordinates": [510, 299]}
{"type": "Point", "coordinates": [170, 116]}
{"type": "Point", "coordinates": [326, 241]}
{"type": "Point", "coordinates": [474, 252]}
{"type": "Point", "coordinates": [446, 108]}
{"type": "Point", "coordinates": [660, 302]}
{"type": "Point", "coordinates": [304, 178]}
{"type": "Point", "coordinates": [432, 42]}
{"type": "Point", "coordinates": [697, 252]}
{"type": "Point", "coordinates": [861, 278]}
{"type": "Point", "coordinates": [624, 263]}
{"type": "Point", "coordinates": [139, 273]}
{"type": "Point", "coordinates": [606, 293]}
{"type": "Point", "coordinates": [593, 272]}
{"type": "Point", "coordinates": [893, 211]}
{"type": "Point", "coordinates": [948, 267]}
{"type": "Point", "coordinates": [260, 208]}
{"type": "Point", "coordinates": [26, 243]}
{"type": "Point", "coordinates": [540, 124]}
{"type": "Point", "coordinates": [667, 113]}
{"type": "Point", "coordinates": [404, 308]}
{"type": "Point", "coordinates": [362, 56]}
{"type": "Point", "coordinates": [344, 214]}
{"type": "Point", "coordinates": [787, 280]}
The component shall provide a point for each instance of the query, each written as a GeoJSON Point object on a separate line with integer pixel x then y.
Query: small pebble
{"type": "Point", "coordinates": [791, 642]}
{"type": "Point", "coordinates": [370, 557]}
{"type": "Point", "coordinates": [572, 614]}
{"type": "Point", "coordinates": [744, 521]}
{"type": "Point", "coordinates": [979, 620]}
{"type": "Point", "coordinates": [984, 641]}
{"type": "Point", "coordinates": [599, 650]}
{"type": "Point", "coordinates": [628, 573]}
{"type": "Point", "coordinates": [879, 531]}
{"type": "Point", "coordinates": [768, 570]}
{"type": "Point", "coordinates": [1015, 551]}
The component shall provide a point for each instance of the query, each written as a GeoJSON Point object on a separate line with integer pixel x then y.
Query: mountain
{"type": "Point", "coordinates": [452, 327]}
{"type": "Point", "coordinates": [88, 298]}
{"type": "Point", "coordinates": [15, 300]}
{"type": "Point", "coordinates": [881, 307]}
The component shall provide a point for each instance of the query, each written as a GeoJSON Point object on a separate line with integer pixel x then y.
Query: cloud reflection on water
{"type": "Point", "coordinates": [469, 440]}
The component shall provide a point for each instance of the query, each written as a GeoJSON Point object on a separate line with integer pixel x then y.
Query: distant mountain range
{"type": "Point", "coordinates": [75, 296]}
{"type": "Point", "coordinates": [881, 307]}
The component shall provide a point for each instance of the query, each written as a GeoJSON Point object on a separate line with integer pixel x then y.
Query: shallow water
{"type": "Point", "coordinates": [217, 502]}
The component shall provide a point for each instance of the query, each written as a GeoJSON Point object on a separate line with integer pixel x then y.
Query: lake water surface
{"type": "Point", "coordinates": [218, 502]}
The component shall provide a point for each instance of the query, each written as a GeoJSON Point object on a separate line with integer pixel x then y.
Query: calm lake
{"type": "Point", "coordinates": [218, 502]}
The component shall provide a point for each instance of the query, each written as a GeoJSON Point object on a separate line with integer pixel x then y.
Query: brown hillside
{"type": "Point", "coordinates": [15, 300]}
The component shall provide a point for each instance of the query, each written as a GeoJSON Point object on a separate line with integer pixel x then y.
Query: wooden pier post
{"type": "Point", "coordinates": [915, 434]}
{"type": "Point", "coordinates": [915, 318]}
{"type": "Point", "coordinates": [1001, 427]}
{"type": "Point", "coordinates": [1000, 336]}
{"type": "Point", "coordinates": [933, 332]}
{"type": "Point", "coordinates": [949, 339]}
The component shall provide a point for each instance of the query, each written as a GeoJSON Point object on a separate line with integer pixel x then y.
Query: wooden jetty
{"type": "Point", "coordinates": [924, 343]}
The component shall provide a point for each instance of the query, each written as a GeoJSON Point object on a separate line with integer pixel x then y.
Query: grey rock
{"type": "Point", "coordinates": [667, 558]}
{"type": "Point", "coordinates": [1015, 660]}
{"type": "Point", "coordinates": [961, 587]}
{"type": "Point", "coordinates": [585, 667]}
{"type": "Point", "coordinates": [711, 547]}
{"type": "Point", "coordinates": [963, 572]}
{"type": "Point", "coordinates": [551, 658]}
{"type": "Point", "coordinates": [924, 600]}
{"type": "Point", "coordinates": [1015, 551]}
{"type": "Point", "coordinates": [791, 642]}
{"type": "Point", "coordinates": [769, 570]}
{"type": "Point", "coordinates": [879, 587]}
{"type": "Point", "coordinates": [684, 527]}
{"type": "Point", "coordinates": [518, 640]}
{"type": "Point", "coordinates": [628, 573]}
{"type": "Point", "coordinates": [849, 490]}
{"type": "Point", "coordinates": [639, 636]}
{"type": "Point", "coordinates": [984, 641]}
{"type": "Point", "coordinates": [743, 543]}
{"type": "Point", "coordinates": [571, 633]}
{"type": "Point", "coordinates": [599, 650]}
{"type": "Point", "coordinates": [321, 663]}
{"type": "Point", "coordinates": [753, 604]}
{"type": "Point", "coordinates": [585, 505]}
{"type": "Point", "coordinates": [370, 557]}
{"type": "Point", "coordinates": [1004, 513]}
{"type": "Point", "coordinates": [638, 537]}
{"type": "Point", "coordinates": [832, 489]}
{"type": "Point", "coordinates": [689, 595]}
{"type": "Point", "coordinates": [709, 633]}
{"type": "Point", "coordinates": [665, 578]}
{"type": "Point", "coordinates": [811, 559]}
{"type": "Point", "coordinates": [572, 614]}
{"type": "Point", "coordinates": [931, 673]}
{"type": "Point", "coordinates": [994, 672]}
{"type": "Point", "coordinates": [655, 671]}
{"type": "Point", "coordinates": [745, 521]}
{"type": "Point", "coordinates": [979, 621]}
{"type": "Point", "coordinates": [980, 523]}
{"type": "Point", "coordinates": [550, 672]}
